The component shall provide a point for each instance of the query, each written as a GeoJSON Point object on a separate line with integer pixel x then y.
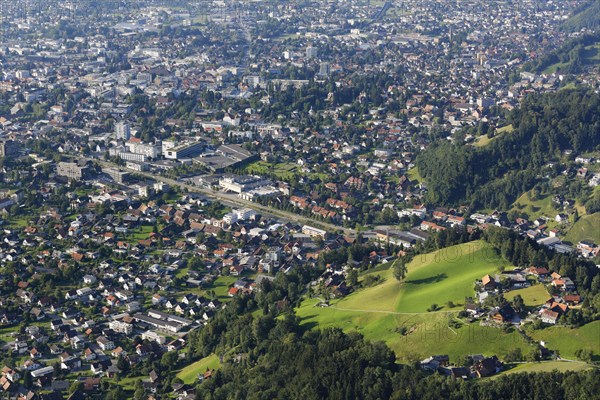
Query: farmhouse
{"type": "Point", "coordinates": [549, 317]}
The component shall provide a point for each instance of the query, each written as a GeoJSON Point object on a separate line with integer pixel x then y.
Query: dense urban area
{"type": "Point", "coordinates": [299, 199]}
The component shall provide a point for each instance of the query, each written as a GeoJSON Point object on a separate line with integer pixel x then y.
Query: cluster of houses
{"type": "Point", "coordinates": [479, 366]}
{"type": "Point", "coordinates": [129, 274]}
{"type": "Point", "coordinates": [564, 289]}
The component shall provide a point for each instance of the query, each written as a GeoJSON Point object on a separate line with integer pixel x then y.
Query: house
{"type": "Point", "coordinates": [105, 344]}
{"type": "Point", "coordinates": [89, 354]}
{"type": "Point", "coordinates": [503, 314]}
{"type": "Point", "coordinates": [97, 368]}
{"type": "Point", "coordinates": [487, 367]}
{"type": "Point", "coordinates": [538, 271]}
{"type": "Point", "coordinates": [549, 317]}
{"type": "Point", "coordinates": [71, 363]}
{"type": "Point", "coordinates": [91, 384]}
{"type": "Point", "coordinates": [118, 352]}
{"type": "Point", "coordinates": [572, 299]}
{"type": "Point", "coordinates": [488, 283]}
{"type": "Point", "coordinates": [473, 309]}
{"type": "Point", "coordinates": [460, 373]}
{"type": "Point", "coordinates": [112, 371]}
{"type": "Point", "coordinates": [564, 283]}
{"type": "Point", "coordinates": [434, 362]}
{"type": "Point", "coordinates": [153, 375]}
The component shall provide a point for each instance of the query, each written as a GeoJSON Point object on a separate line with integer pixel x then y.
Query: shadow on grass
{"type": "Point", "coordinates": [431, 279]}
{"type": "Point", "coordinates": [509, 366]}
{"type": "Point", "coordinates": [308, 325]}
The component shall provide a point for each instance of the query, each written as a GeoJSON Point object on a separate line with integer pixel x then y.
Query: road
{"type": "Point", "coordinates": [231, 199]}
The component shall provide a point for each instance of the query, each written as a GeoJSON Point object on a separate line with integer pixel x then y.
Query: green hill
{"type": "Point", "coordinates": [586, 228]}
{"type": "Point", "coordinates": [495, 175]}
{"type": "Point", "coordinates": [438, 277]}
{"type": "Point", "coordinates": [396, 312]}
{"type": "Point", "coordinates": [567, 340]}
{"type": "Point", "coordinates": [190, 373]}
{"type": "Point", "coordinates": [587, 16]}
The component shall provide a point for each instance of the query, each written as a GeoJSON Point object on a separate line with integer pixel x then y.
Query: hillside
{"type": "Point", "coordinates": [567, 340]}
{"type": "Point", "coordinates": [495, 175]}
{"type": "Point", "coordinates": [573, 57]}
{"type": "Point", "coordinates": [586, 17]}
{"type": "Point", "coordinates": [381, 312]}
{"type": "Point", "coordinates": [586, 228]}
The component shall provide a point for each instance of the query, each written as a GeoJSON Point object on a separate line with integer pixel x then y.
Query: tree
{"type": "Point", "coordinates": [75, 386]}
{"type": "Point", "coordinates": [518, 304]}
{"type": "Point", "coordinates": [400, 270]}
{"type": "Point", "coordinates": [139, 390]}
{"type": "Point", "coordinates": [27, 380]}
{"type": "Point", "coordinates": [115, 393]}
{"type": "Point", "coordinates": [353, 277]}
{"type": "Point", "coordinates": [123, 365]}
{"type": "Point", "coordinates": [534, 355]}
{"type": "Point", "coordinates": [169, 360]}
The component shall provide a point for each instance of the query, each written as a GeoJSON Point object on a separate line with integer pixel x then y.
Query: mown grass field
{"type": "Point", "coordinates": [414, 175]}
{"type": "Point", "coordinates": [438, 277]}
{"type": "Point", "coordinates": [220, 286]}
{"type": "Point", "coordinates": [483, 140]}
{"type": "Point", "coordinates": [426, 333]}
{"type": "Point", "coordinates": [535, 295]}
{"type": "Point", "coordinates": [190, 373]}
{"type": "Point", "coordinates": [546, 366]}
{"type": "Point", "coordinates": [591, 56]}
{"type": "Point", "coordinates": [396, 312]}
{"type": "Point", "coordinates": [586, 228]}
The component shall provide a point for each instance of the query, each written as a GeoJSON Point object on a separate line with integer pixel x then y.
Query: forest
{"type": "Point", "coordinates": [493, 176]}
{"type": "Point", "coordinates": [285, 362]}
{"type": "Point", "coordinates": [572, 55]}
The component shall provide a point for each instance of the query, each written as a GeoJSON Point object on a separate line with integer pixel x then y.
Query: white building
{"type": "Point", "coordinates": [244, 213]}
{"type": "Point", "coordinates": [121, 327]}
{"type": "Point", "coordinates": [146, 149]}
{"type": "Point", "coordinates": [122, 131]}
{"type": "Point", "coordinates": [153, 336]}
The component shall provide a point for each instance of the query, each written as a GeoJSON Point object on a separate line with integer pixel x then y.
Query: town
{"type": "Point", "coordinates": [163, 160]}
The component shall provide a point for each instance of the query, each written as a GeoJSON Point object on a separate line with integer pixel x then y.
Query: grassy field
{"type": "Point", "coordinates": [586, 228]}
{"type": "Point", "coordinates": [532, 296]}
{"type": "Point", "coordinates": [546, 366]}
{"type": "Point", "coordinates": [414, 175]}
{"type": "Point", "coordinates": [382, 312]}
{"type": "Point", "coordinates": [438, 277]}
{"type": "Point", "coordinates": [567, 340]}
{"type": "Point", "coordinates": [140, 233]}
{"type": "Point", "coordinates": [541, 207]}
{"type": "Point", "coordinates": [426, 333]}
{"type": "Point", "coordinates": [222, 284]}
{"type": "Point", "coordinates": [283, 171]}
{"type": "Point", "coordinates": [591, 56]}
{"type": "Point", "coordinates": [483, 140]}
{"type": "Point", "coordinates": [190, 373]}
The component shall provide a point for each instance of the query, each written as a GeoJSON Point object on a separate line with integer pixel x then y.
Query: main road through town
{"type": "Point", "coordinates": [233, 200]}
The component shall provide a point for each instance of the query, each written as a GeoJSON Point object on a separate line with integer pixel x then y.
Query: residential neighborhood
{"type": "Point", "coordinates": [189, 188]}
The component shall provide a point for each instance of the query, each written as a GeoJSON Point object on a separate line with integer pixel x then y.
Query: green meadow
{"type": "Point", "coordinates": [438, 277]}
{"type": "Point", "coordinates": [535, 295]}
{"type": "Point", "coordinates": [567, 340]}
{"type": "Point", "coordinates": [396, 312]}
{"type": "Point", "coordinates": [586, 228]}
{"type": "Point", "coordinates": [190, 373]}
